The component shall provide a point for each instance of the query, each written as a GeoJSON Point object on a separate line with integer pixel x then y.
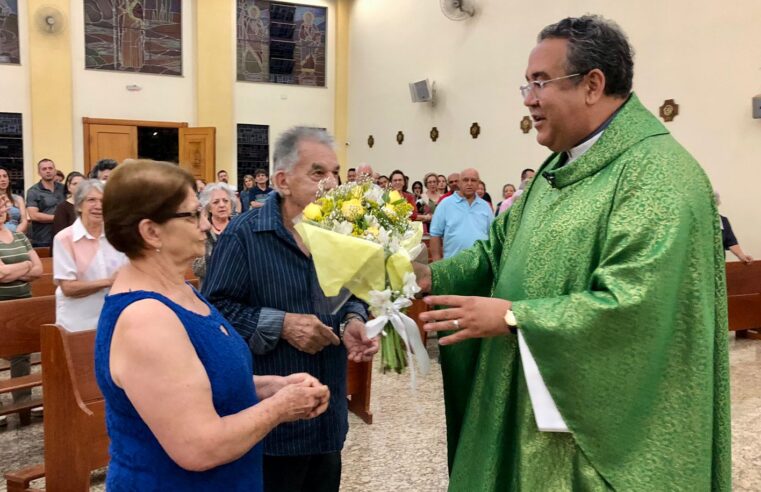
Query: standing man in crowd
{"type": "Point", "coordinates": [262, 279]}
{"type": "Point", "coordinates": [461, 219]}
{"type": "Point", "coordinates": [596, 310]}
{"type": "Point", "coordinates": [351, 175]}
{"type": "Point", "coordinates": [261, 189]}
{"type": "Point", "coordinates": [41, 202]}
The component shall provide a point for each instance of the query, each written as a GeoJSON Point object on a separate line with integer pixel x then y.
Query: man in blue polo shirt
{"type": "Point", "coordinates": [460, 219]}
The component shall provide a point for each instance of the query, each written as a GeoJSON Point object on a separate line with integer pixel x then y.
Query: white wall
{"type": "Point", "coordinates": [103, 94]}
{"type": "Point", "coordinates": [703, 54]}
{"type": "Point", "coordinates": [14, 92]}
{"type": "Point", "coordinates": [282, 106]}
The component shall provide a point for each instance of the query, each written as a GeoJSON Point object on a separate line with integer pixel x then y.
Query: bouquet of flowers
{"type": "Point", "coordinates": [361, 239]}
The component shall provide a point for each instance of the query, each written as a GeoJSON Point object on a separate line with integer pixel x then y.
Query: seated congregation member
{"type": "Point", "coordinates": [216, 202]}
{"type": "Point", "coordinates": [262, 278]}
{"type": "Point", "coordinates": [17, 220]}
{"type": "Point", "coordinates": [183, 411]}
{"type": "Point", "coordinates": [19, 265]}
{"type": "Point", "coordinates": [64, 214]}
{"type": "Point", "coordinates": [85, 263]}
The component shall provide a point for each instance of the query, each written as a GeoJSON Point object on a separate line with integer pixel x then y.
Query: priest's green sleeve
{"type": "Point", "coordinates": [471, 273]}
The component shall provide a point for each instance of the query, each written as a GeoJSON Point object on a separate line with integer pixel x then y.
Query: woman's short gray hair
{"type": "Point", "coordinates": [286, 153]}
{"type": "Point", "coordinates": [84, 189]}
{"type": "Point", "coordinates": [205, 197]}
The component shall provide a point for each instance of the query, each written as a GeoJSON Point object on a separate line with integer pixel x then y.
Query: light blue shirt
{"type": "Point", "coordinates": [461, 224]}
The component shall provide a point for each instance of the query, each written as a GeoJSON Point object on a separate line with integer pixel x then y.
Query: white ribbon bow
{"type": "Point", "coordinates": [386, 311]}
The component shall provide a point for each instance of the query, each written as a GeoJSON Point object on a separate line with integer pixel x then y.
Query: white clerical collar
{"type": "Point", "coordinates": [584, 146]}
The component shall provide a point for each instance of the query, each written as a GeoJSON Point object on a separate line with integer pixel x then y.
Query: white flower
{"type": "Point", "coordinates": [380, 302]}
{"type": "Point", "coordinates": [343, 227]}
{"type": "Point", "coordinates": [372, 221]}
{"type": "Point", "coordinates": [394, 244]}
{"type": "Point", "coordinates": [410, 287]}
{"type": "Point", "coordinates": [383, 237]}
{"type": "Point", "coordinates": [374, 194]}
{"type": "Point", "coordinates": [389, 211]}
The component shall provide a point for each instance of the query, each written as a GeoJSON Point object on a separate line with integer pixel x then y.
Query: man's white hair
{"type": "Point", "coordinates": [286, 153]}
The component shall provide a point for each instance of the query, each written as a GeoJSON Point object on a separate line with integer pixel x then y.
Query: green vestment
{"type": "Point", "coordinates": [616, 273]}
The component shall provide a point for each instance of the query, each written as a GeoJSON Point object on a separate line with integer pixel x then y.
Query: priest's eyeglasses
{"type": "Point", "coordinates": [534, 87]}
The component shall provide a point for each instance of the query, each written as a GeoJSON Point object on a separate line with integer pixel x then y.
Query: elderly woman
{"type": "Point", "coordinates": [85, 263]}
{"type": "Point", "coordinates": [182, 409]}
{"type": "Point", "coordinates": [19, 265]}
{"type": "Point", "coordinates": [216, 200]}
{"type": "Point", "coordinates": [17, 220]}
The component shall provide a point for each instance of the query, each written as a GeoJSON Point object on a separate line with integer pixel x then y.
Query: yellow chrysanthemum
{"type": "Point", "coordinates": [352, 209]}
{"type": "Point", "coordinates": [313, 212]}
{"type": "Point", "coordinates": [395, 196]}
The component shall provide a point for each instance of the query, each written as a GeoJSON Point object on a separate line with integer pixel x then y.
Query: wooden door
{"type": "Point", "coordinates": [116, 142]}
{"type": "Point", "coordinates": [197, 152]}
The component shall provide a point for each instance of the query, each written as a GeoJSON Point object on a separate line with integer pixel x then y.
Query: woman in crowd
{"type": "Point", "coordinates": [64, 213]}
{"type": "Point", "coordinates": [481, 192]}
{"type": "Point", "coordinates": [216, 201]}
{"type": "Point", "coordinates": [417, 190]}
{"type": "Point", "coordinates": [443, 188]}
{"type": "Point", "coordinates": [397, 182]}
{"type": "Point", "coordinates": [182, 409]}
{"type": "Point", "coordinates": [507, 192]}
{"type": "Point", "coordinates": [17, 220]}
{"type": "Point", "coordinates": [85, 263]}
{"type": "Point", "coordinates": [247, 195]}
{"type": "Point", "coordinates": [19, 265]}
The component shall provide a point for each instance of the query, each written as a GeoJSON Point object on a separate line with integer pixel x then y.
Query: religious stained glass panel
{"type": "Point", "coordinates": [134, 35]}
{"type": "Point", "coordinates": [280, 42]}
{"type": "Point", "coordinates": [9, 44]}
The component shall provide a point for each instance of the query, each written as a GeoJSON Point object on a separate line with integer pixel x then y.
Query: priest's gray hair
{"type": "Point", "coordinates": [286, 153]}
{"type": "Point", "coordinates": [84, 189]}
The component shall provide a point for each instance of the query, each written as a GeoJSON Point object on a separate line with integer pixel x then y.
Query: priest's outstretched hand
{"type": "Point", "coordinates": [467, 316]}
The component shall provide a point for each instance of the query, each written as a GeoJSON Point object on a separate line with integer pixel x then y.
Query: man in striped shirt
{"type": "Point", "coordinates": [262, 278]}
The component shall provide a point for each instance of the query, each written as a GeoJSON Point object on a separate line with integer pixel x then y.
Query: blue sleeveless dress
{"type": "Point", "coordinates": [138, 462]}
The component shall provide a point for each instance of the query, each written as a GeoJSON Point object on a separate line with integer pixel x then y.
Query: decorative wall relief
{"type": "Point", "coordinates": [282, 43]}
{"type": "Point", "coordinates": [370, 141]}
{"type": "Point", "coordinates": [475, 130]}
{"type": "Point", "coordinates": [399, 137]}
{"type": "Point", "coordinates": [9, 43]}
{"type": "Point", "coordinates": [526, 124]}
{"type": "Point", "coordinates": [434, 134]}
{"type": "Point", "coordinates": [668, 110]}
{"type": "Point", "coordinates": [134, 36]}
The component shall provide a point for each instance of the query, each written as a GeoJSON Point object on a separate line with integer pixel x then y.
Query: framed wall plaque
{"type": "Point", "coordinates": [475, 130]}
{"type": "Point", "coordinates": [434, 134]}
{"type": "Point", "coordinates": [526, 124]}
{"type": "Point", "coordinates": [370, 141]}
{"type": "Point", "coordinates": [668, 110]}
{"type": "Point", "coordinates": [399, 137]}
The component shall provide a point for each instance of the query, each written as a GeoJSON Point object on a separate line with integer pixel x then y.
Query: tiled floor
{"type": "Point", "coordinates": [405, 448]}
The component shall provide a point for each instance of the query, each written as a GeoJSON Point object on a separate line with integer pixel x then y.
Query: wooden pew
{"type": "Point", "coordinates": [20, 322]}
{"type": "Point", "coordinates": [43, 286]}
{"type": "Point", "coordinates": [43, 252]}
{"type": "Point", "coordinates": [47, 265]}
{"type": "Point", "coordinates": [744, 299]}
{"type": "Point", "coordinates": [76, 442]}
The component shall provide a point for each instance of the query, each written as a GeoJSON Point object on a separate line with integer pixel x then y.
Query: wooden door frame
{"type": "Point", "coordinates": [86, 122]}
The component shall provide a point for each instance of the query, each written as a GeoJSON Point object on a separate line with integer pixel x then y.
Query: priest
{"type": "Point", "coordinates": [589, 344]}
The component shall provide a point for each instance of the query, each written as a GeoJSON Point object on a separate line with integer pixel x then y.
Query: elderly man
{"type": "Point", "coordinates": [461, 219]}
{"type": "Point", "coordinates": [262, 279]}
{"type": "Point", "coordinates": [41, 201]}
{"type": "Point", "coordinates": [598, 352]}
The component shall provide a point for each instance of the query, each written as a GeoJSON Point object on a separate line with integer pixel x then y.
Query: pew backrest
{"type": "Point", "coordinates": [20, 322]}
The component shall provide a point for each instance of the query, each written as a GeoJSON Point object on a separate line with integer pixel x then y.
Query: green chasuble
{"type": "Point", "coordinates": [616, 273]}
